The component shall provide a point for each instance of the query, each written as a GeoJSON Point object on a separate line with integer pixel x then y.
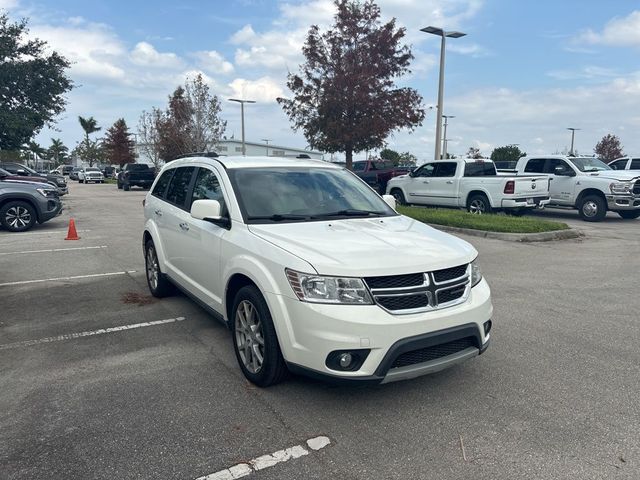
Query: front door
{"type": "Point", "coordinates": [563, 182]}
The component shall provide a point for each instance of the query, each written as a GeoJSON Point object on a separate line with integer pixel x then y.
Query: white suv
{"type": "Point", "coordinates": [313, 271]}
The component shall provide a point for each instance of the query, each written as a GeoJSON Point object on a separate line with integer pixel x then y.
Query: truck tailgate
{"type": "Point", "coordinates": [531, 186]}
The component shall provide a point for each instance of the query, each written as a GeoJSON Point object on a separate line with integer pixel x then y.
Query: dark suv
{"type": "Point", "coordinates": [22, 170]}
{"type": "Point", "coordinates": [22, 204]}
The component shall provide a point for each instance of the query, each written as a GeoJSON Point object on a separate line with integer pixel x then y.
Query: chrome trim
{"type": "Point", "coordinates": [467, 273]}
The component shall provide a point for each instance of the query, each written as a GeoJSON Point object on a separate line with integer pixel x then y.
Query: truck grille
{"type": "Point", "coordinates": [419, 292]}
{"type": "Point", "coordinates": [636, 188]}
{"type": "Point", "coordinates": [422, 355]}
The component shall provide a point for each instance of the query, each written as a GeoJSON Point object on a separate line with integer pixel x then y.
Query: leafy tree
{"type": "Point", "coordinates": [91, 151]}
{"type": "Point", "coordinates": [609, 148]}
{"type": "Point", "coordinates": [149, 136]}
{"type": "Point", "coordinates": [507, 156]}
{"type": "Point", "coordinates": [36, 149]}
{"type": "Point", "coordinates": [408, 159]}
{"type": "Point", "coordinates": [345, 98]}
{"type": "Point", "coordinates": [32, 84]}
{"type": "Point", "coordinates": [388, 154]}
{"type": "Point", "coordinates": [474, 152]}
{"type": "Point", "coordinates": [89, 125]}
{"type": "Point", "coordinates": [119, 148]}
{"type": "Point", "coordinates": [191, 122]}
{"type": "Point", "coordinates": [57, 151]}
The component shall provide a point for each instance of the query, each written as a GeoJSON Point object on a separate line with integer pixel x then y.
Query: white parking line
{"type": "Point", "coordinates": [265, 461]}
{"type": "Point", "coordinates": [75, 277]}
{"type": "Point", "coordinates": [48, 232]}
{"type": "Point", "coordinates": [70, 336]}
{"type": "Point", "coordinates": [53, 250]}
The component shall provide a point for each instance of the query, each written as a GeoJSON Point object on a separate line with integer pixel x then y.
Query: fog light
{"type": "Point", "coordinates": [345, 360]}
{"type": "Point", "coordinates": [487, 327]}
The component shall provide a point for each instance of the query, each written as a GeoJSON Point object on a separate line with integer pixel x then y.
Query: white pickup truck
{"type": "Point", "coordinates": [588, 184]}
{"type": "Point", "coordinates": [469, 183]}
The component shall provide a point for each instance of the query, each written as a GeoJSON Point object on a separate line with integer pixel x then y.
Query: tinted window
{"type": "Point", "coordinates": [162, 183]}
{"type": "Point", "coordinates": [479, 169]}
{"type": "Point", "coordinates": [179, 186]}
{"type": "Point", "coordinates": [535, 165]}
{"type": "Point", "coordinates": [446, 169]}
{"type": "Point", "coordinates": [635, 164]}
{"type": "Point", "coordinates": [554, 163]}
{"type": "Point", "coordinates": [137, 167]}
{"type": "Point", "coordinates": [359, 166]}
{"type": "Point", "coordinates": [619, 165]}
{"type": "Point", "coordinates": [207, 187]}
{"type": "Point", "coordinates": [425, 170]}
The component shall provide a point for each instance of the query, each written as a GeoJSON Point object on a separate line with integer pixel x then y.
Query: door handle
{"type": "Point", "coordinates": [184, 226]}
{"type": "Point", "coordinates": [158, 212]}
{"type": "Point", "coordinates": [425, 181]}
{"type": "Point", "coordinates": [450, 182]}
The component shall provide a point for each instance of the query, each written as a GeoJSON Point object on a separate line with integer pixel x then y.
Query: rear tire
{"type": "Point", "coordinates": [126, 187]}
{"type": "Point", "coordinates": [592, 208]}
{"type": "Point", "coordinates": [478, 204]}
{"type": "Point", "coordinates": [119, 185]}
{"type": "Point", "coordinates": [159, 284]}
{"type": "Point", "coordinates": [399, 196]}
{"type": "Point", "coordinates": [629, 214]}
{"type": "Point", "coordinates": [255, 340]}
{"type": "Point", "coordinates": [18, 216]}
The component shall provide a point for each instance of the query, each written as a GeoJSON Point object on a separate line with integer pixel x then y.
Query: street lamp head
{"type": "Point", "coordinates": [574, 129]}
{"type": "Point", "coordinates": [433, 30]}
{"type": "Point", "coordinates": [241, 101]}
{"type": "Point", "coordinates": [455, 34]}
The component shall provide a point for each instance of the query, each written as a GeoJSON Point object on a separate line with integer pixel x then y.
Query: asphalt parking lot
{"type": "Point", "coordinates": [555, 396]}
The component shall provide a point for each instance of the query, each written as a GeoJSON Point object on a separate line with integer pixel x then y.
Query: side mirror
{"type": "Point", "coordinates": [390, 200]}
{"type": "Point", "coordinates": [21, 171]}
{"type": "Point", "coordinates": [209, 211]}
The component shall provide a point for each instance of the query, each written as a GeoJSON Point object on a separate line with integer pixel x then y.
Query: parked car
{"type": "Point", "coordinates": [24, 203]}
{"type": "Point", "coordinates": [626, 163]}
{"type": "Point", "coordinates": [54, 179]}
{"type": "Point", "coordinates": [109, 172]}
{"type": "Point", "coordinates": [469, 183]}
{"type": "Point", "coordinates": [313, 271]}
{"type": "Point", "coordinates": [64, 169]}
{"type": "Point", "coordinates": [135, 175]}
{"type": "Point", "coordinates": [8, 177]}
{"type": "Point", "coordinates": [73, 174]}
{"type": "Point", "coordinates": [587, 184]}
{"type": "Point", "coordinates": [377, 172]}
{"type": "Point", "coordinates": [90, 174]}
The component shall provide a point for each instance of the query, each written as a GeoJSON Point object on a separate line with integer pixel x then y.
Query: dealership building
{"type": "Point", "coordinates": [234, 147]}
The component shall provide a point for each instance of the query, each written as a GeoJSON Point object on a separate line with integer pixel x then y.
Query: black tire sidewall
{"type": "Point", "coordinates": [164, 286]}
{"type": "Point", "coordinates": [273, 367]}
{"type": "Point", "coordinates": [629, 214]}
{"type": "Point", "coordinates": [602, 208]}
{"type": "Point", "coordinates": [17, 203]}
{"type": "Point", "coordinates": [402, 200]}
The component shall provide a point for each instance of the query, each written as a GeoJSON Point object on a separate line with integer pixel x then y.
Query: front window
{"type": "Point", "coordinates": [290, 194]}
{"type": "Point", "coordinates": [590, 164]}
{"type": "Point", "coordinates": [92, 169]}
{"type": "Point", "coordinates": [359, 166]}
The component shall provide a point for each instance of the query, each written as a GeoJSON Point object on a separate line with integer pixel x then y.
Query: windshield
{"type": "Point", "coordinates": [590, 164]}
{"type": "Point", "coordinates": [91, 169]}
{"type": "Point", "coordinates": [137, 166]}
{"type": "Point", "coordinates": [294, 194]}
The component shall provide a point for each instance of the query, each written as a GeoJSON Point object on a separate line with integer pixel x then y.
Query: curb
{"type": "Point", "coordinates": [514, 237]}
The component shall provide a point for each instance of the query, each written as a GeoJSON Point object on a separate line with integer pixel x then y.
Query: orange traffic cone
{"type": "Point", "coordinates": [72, 234]}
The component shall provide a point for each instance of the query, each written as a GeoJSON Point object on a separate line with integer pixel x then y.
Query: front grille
{"type": "Point", "coordinates": [422, 355]}
{"type": "Point", "coordinates": [404, 302]}
{"type": "Point", "coordinates": [636, 188]}
{"type": "Point", "coordinates": [395, 281]}
{"type": "Point", "coordinates": [449, 274]}
{"type": "Point", "coordinates": [451, 294]}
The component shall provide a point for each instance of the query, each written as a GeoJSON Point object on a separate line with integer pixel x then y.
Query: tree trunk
{"type": "Point", "coordinates": [349, 158]}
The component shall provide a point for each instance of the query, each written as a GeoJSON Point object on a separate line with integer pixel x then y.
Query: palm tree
{"type": "Point", "coordinates": [89, 125]}
{"type": "Point", "coordinates": [58, 150]}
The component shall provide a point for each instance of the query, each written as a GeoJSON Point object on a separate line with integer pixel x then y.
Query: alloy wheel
{"type": "Point", "coordinates": [18, 217]}
{"type": "Point", "coordinates": [590, 209]}
{"type": "Point", "coordinates": [152, 268]}
{"type": "Point", "coordinates": [249, 336]}
{"type": "Point", "coordinates": [477, 206]}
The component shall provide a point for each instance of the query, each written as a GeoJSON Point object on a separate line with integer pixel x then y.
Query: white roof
{"type": "Point", "coordinates": [253, 162]}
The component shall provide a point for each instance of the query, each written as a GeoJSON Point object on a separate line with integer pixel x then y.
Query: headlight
{"type": "Point", "coordinates": [337, 290]}
{"type": "Point", "coordinates": [621, 187]}
{"type": "Point", "coordinates": [476, 274]}
{"type": "Point", "coordinates": [46, 192]}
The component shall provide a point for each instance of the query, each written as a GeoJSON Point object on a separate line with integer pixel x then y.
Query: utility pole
{"type": "Point", "coordinates": [573, 136]}
{"type": "Point", "coordinates": [242, 102]}
{"type": "Point", "coordinates": [444, 141]}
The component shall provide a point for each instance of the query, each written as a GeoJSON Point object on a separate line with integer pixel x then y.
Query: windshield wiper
{"type": "Point", "coordinates": [352, 212]}
{"type": "Point", "coordinates": [279, 217]}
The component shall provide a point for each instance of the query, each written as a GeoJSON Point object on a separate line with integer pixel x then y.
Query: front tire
{"type": "Point", "coordinates": [255, 340]}
{"type": "Point", "coordinates": [629, 214]}
{"type": "Point", "coordinates": [158, 283]}
{"type": "Point", "coordinates": [126, 187]}
{"type": "Point", "coordinates": [399, 196]}
{"type": "Point", "coordinates": [592, 208]}
{"type": "Point", "coordinates": [18, 216]}
{"type": "Point", "coordinates": [478, 204]}
{"type": "Point", "coordinates": [119, 185]}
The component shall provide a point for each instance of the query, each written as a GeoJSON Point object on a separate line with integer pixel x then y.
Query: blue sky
{"type": "Point", "coordinates": [524, 72]}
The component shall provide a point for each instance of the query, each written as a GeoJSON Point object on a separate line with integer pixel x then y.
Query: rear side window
{"type": "Point", "coordinates": [535, 165]}
{"type": "Point", "coordinates": [161, 185]}
{"type": "Point", "coordinates": [635, 164]}
{"type": "Point", "coordinates": [445, 169]}
{"type": "Point", "coordinates": [179, 186]}
{"type": "Point", "coordinates": [479, 169]}
{"type": "Point", "coordinates": [207, 187]}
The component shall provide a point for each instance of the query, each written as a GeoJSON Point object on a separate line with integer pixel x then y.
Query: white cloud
{"type": "Point", "coordinates": [144, 54]}
{"type": "Point", "coordinates": [214, 62]}
{"type": "Point", "coordinates": [618, 32]}
{"type": "Point", "coordinates": [586, 73]}
{"type": "Point", "coordinates": [8, 4]}
{"type": "Point", "coordinates": [264, 90]}
{"type": "Point", "coordinates": [473, 50]}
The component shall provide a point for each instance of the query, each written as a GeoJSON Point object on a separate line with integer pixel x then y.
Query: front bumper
{"type": "Point", "coordinates": [623, 202]}
{"type": "Point", "coordinates": [531, 202]}
{"type": "Point", "coordinates": [309, 332]}
{"type": "Point", "coordinates": [51, 209]}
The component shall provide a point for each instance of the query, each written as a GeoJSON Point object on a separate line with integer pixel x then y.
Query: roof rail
{"type": "Point", "coordinates": [198, 154]}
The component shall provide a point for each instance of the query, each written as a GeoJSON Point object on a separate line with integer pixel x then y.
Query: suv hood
{"type": "Point", "coordinates": [368, 246]}
{"type": "Point", "coordinates": [621, 175]}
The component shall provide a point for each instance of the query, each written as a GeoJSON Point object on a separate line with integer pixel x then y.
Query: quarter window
{"type": "Point", "coordinates": [161, 184]}
{"type": "Point", "coordinates": [207, 187]}
{"type": "Point", "coordinates": [179, 186]}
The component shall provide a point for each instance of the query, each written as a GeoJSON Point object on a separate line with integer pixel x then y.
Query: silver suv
{"type": "Point", "coordinates": [22, 204]}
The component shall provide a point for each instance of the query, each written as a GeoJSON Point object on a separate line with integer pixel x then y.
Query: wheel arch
{"type": "Point", "coordinates": [479, 192]}
{"type": "Point", "coordinates": [590, 191]}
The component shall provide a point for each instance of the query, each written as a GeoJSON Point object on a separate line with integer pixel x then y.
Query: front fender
{"type": "Point", "coordinates": [152, 229]}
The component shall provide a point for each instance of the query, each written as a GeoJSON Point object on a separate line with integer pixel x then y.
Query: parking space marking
{"type": "Point", "coordinates": [75, 277]}
{"type": "Point", "coordinates": [53, 250]}
{"type": "Point", "coordinates": [48, 232]}
{"type": "Point", "coordinates": [90, 333]}
{"type": "Point", "coordinates": [265, 461]}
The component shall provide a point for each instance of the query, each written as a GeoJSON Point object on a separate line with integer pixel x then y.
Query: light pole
{"type": "Point", "coordinates": [444, 141]}
{"type": "Point", "coordinates": [267, 140]}
{"type": "Point", "coordinates": [242, 102]}
{"type": "Point", "coordinates": [441, 33]}
{"type": "Point", "coordinates": [573, 136]}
